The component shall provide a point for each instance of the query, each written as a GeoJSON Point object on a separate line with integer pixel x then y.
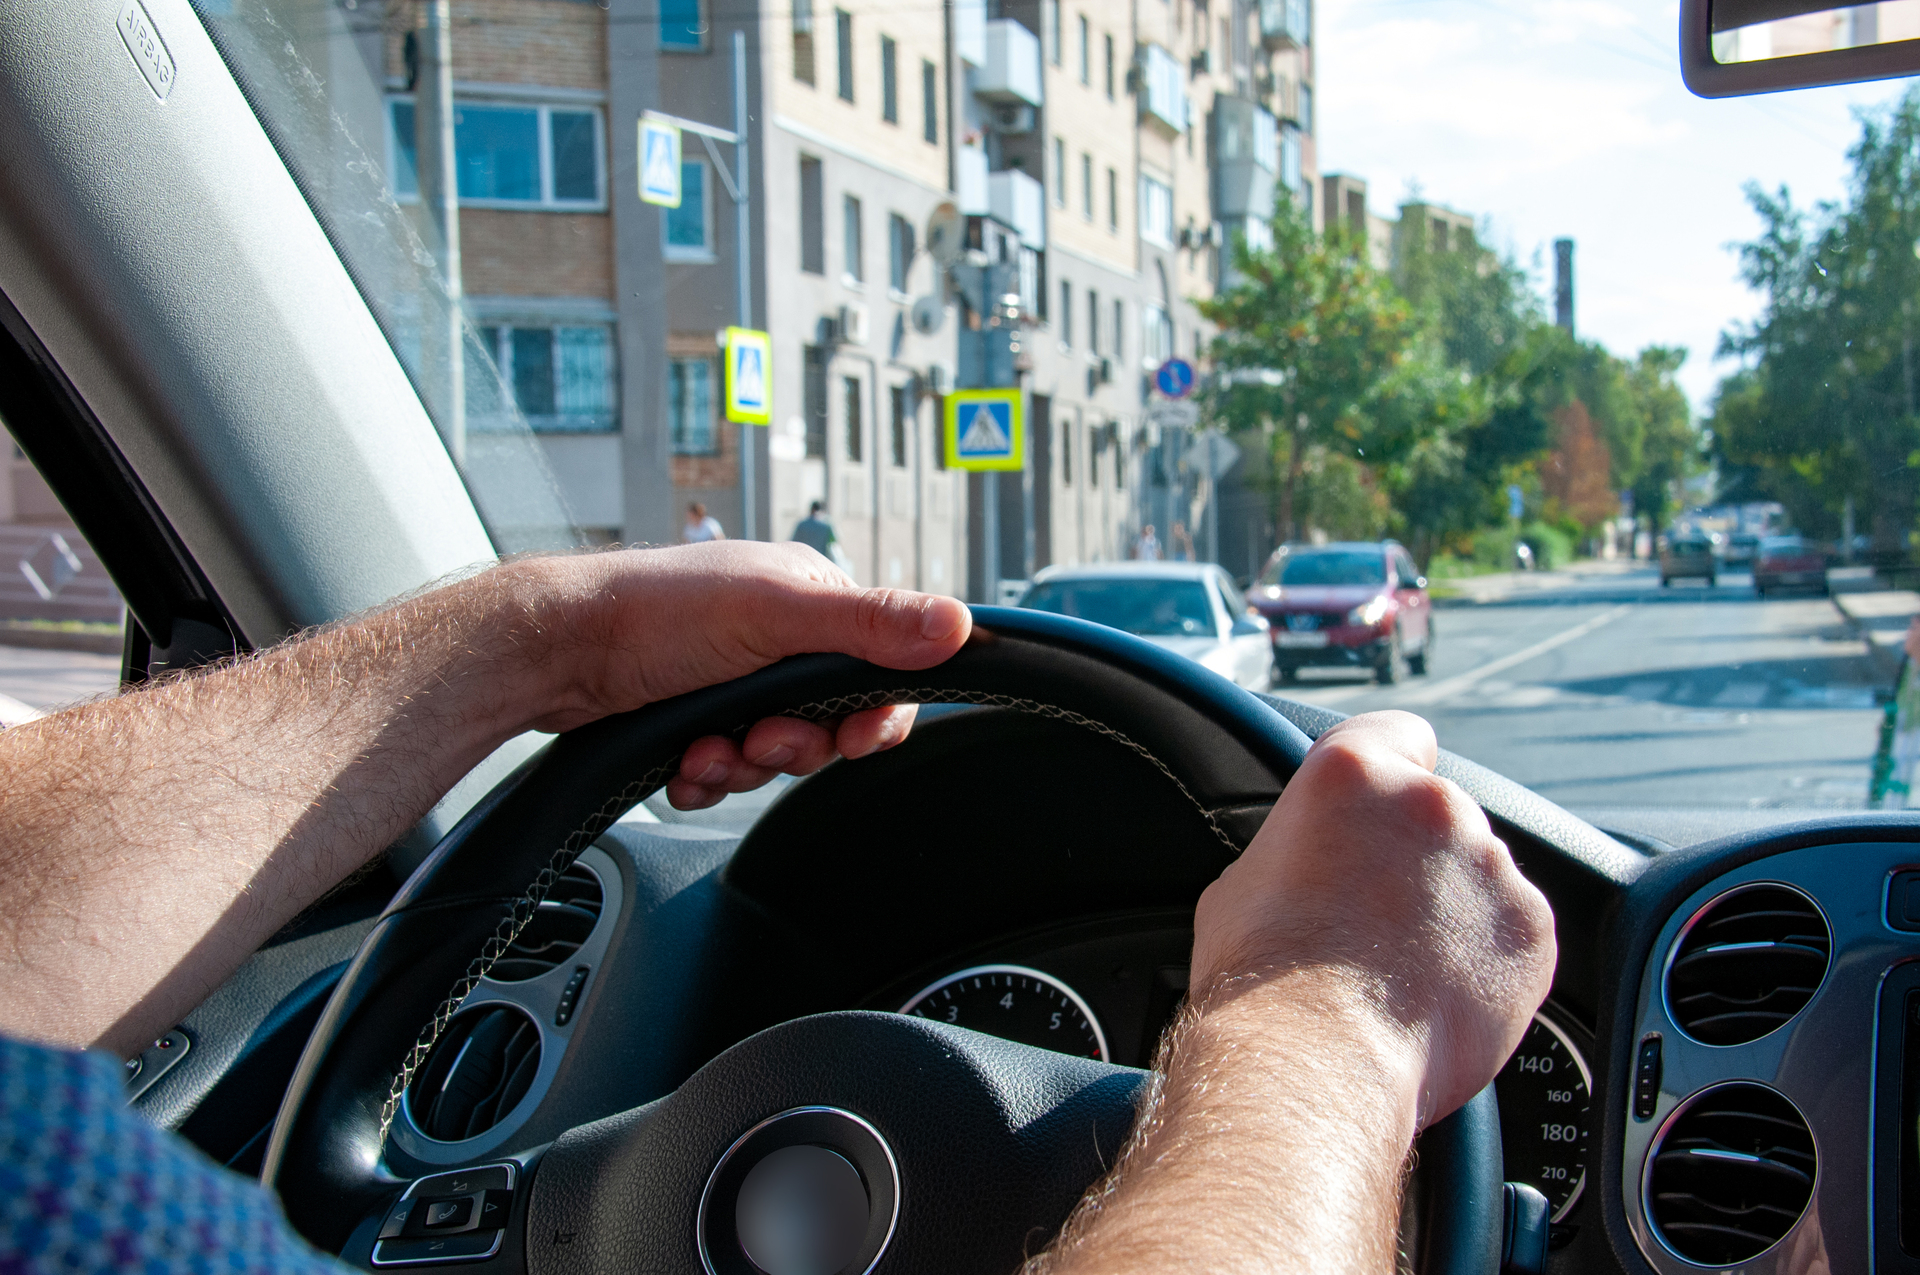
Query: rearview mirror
{"type": "Point", "coordinates": [1247, 625]}
{"type": "Point", "coordinates": [1729, 48]}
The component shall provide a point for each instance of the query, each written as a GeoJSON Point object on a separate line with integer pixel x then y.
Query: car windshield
{"type": "Point", "coordinates": [1485, 280]}
{"type": "Point", "coordinates": [1782, 544]}
{"type": "Point", "coordinates": [1343, 567]}
{"type": "Point", "coordinates": [1147, 607]}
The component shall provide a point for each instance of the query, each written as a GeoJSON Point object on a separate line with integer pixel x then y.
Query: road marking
{"type": "Point", "coordinates": [1451, 686]}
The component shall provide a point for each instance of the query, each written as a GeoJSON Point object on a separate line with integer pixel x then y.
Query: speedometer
{"type": "Point", "coordinates": [1544, 1092]}
{"type": "Point", "coordinates": [1014, 1003]}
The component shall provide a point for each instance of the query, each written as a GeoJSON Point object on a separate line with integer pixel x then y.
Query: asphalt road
{"type": "Point", "coordinates": [1603, 690]}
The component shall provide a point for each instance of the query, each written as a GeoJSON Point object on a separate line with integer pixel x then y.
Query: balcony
{"type": "Point", "coordinates": [971, 186]}
{"type": "Point", "coordinates": [1286, 24]}
{"type": "Point", "coordinates": [1163, 90]}
{"type": "Point", "coordinates": [1011, 72]}
{"type": "Point", "coordinates": [1018, 201]}
{"type": "Point", "coordinates": [1246, 158]}
{"type": "Point", "coordinates": [970, 31]}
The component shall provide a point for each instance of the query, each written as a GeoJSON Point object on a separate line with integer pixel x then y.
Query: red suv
{"type": "Point", "coordinates": [1348, 605]}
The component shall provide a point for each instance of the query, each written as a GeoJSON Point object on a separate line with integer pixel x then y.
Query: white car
{"type": "Point", "coordinates": [1190, 608]}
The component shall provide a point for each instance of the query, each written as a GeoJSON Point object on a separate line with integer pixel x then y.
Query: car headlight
{"type": "Point", "coordinates": [1371, 613]}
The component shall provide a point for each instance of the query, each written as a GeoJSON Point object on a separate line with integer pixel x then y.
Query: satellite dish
{"type": "Point", "coordinates": [946, 235]}
{"type": "Point", "coordinates": [928, 314]}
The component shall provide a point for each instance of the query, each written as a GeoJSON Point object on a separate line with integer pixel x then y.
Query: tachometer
{"type": "Point", "coordinates": [1014, 1003]}
{"type": "Point", "coordinates": [1544, 1092]}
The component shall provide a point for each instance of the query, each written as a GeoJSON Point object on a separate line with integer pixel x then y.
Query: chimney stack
{"type": "Point", "coordinates": [1563, 284]}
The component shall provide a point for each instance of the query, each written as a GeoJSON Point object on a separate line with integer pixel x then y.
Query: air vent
{"type": "Point", "coordinates": [478, 1072]}
{"type": "Point", "coordinates": [1748, 963]}
{"type": "Point", "coordinates": [1730, 1175]}
{"type": "Point", "coordinates": [557, 930]}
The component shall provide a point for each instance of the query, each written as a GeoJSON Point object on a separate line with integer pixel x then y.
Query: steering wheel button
{"type": "Point", "coordinates": [471, 1246]}
{"type": "Point", "coordinates": [447, 1214]}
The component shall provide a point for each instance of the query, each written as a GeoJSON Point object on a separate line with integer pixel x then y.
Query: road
{"type": "Point", "coordinates": [1603, 690]}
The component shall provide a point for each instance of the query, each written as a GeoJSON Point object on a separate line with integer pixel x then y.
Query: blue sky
{"type": "Point", "coordinates": [1568, 117]}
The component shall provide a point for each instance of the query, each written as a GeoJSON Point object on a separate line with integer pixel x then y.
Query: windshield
{"type": "Point", "coordinates": [1353, 567]}
{"type": "Point", "coordinates": [1149, 608]}
{"type": "Point", "coordinates": [1483, 280]}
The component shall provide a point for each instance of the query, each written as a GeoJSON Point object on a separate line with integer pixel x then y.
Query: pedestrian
{"type": "Point", "coordinates": [1181, 543]}
{"type": "Point", "coordinates": [816, 531]}
{"type": "Point", "coordinates": [1147, 547]}
{"type": "Point", "coordinates": [700, 526]}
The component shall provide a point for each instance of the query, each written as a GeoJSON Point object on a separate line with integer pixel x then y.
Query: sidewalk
{"type": "Point", "coordinates": [1878, 615]}
{"type": "Point", "coordinates": [1501, 585]}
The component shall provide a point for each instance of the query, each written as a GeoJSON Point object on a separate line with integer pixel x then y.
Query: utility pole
{"type": "Point", "coordinates": [444, 333]}
{"type": "Point", "coordinates": [987, 362]}
{"type": "Point", "coordinates": [1563, 285]}
{"type": "Point", "coordinates": [743, 274]}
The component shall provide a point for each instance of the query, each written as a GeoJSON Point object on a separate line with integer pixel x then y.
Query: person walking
{"type": "Point", "coordinates": [1181, 543]}
{"type": "Point", "coordinates": [816, 531]}
{"type": "Point", "coordinates": [1147, 547]}
{"type": "Point", "coordinates": [700, 526]}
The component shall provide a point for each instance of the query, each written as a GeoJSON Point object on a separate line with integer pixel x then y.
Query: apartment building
{"type": "Point", "coordinates": [1104, 154]}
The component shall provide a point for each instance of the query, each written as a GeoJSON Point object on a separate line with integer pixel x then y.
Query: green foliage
{"type": "Point", "coordinates": [1823, 411]}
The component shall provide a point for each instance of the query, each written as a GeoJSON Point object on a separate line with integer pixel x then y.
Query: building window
{"type": "Point", "coordinates": [1086, 51]}
{"type": "Point", "coordinates": [1059, 172]}
{"type": "Point", "coordinates": [1086, 186]}
{"type": "Point", "coordinates": [1066, 453]}
{"type": "Point", "coordinates": [681, 28]}
{"type": "Point", "coordinates": [889, 80]}
{"type": "Point", "coordinates": [939, 449]}
{"type": "Point", "coordinates": [897, 435]}
{"type": "Point", "coordinates": [1156, 335]}
{"type": "Point", "coordinates": [1156, 211]}
{"type": "Point", "coordinates": [1051, 21]}
{"type": "Point", "coordinates": [1290, 159]}
{"type": "Point", "coordinates": [854, 266]}
{"type": "Point", "coordinates": [813, 216]}
{"type": "Point", "coordinates": [803, 41]}
{"type": "Point", "coordinates": [813, 392]}
{"type": "Point", "coordinates": [561, 377]}
{"type": "Point", "coordinates": [930, 102]}
{"type": "Point", "coordinates": [843, 32]}
{"type": "Point", "coordinates": [499, 158]}
{"type": "Point", "coordinates": [900, 249]}
{"type": "Point", "coordinates": [1096, 444]}
{"type": "Point", "coordinates": [1093, 321]}
{"type": "Point", "coordinates": [1066, 313]}
{"type": "Point", "coordinates": [687, 231]}
{"type": "Point", "coordinates": [1119, 330]}
{"type": "Point", "coordinates": [850, 390]}
{"type": "Point", "coordinates": [1109, 68]}
{"type": "Point", "coordinates": [690, 408]}
{"type": "Point", "coordinates": [1305, 92]}
{"type": "Point", "coordinates": [1113, 199]}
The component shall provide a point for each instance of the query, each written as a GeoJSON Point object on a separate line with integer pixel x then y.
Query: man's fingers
{"type": "Point", "coordinates": [789, 745]}
{"type": "Point", "coordinates": [1391, 729]}
{"type": "Point", "coordinates": [875, 730]}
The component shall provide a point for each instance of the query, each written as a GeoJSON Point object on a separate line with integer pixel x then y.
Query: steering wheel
{"type": "Point", "coordinates": [966, 1152]}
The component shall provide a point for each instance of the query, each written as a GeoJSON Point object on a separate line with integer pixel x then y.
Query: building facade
{"type": "Point", "coordinates": [1103, 155]}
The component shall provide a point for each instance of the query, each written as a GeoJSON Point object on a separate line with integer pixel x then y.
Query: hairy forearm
{"type": "Point", "coordinates": [1275, 1141]}
{"type": "Point", "coordinates": [184, 823]}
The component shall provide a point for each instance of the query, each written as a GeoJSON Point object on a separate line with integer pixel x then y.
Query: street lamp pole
{"type": "Point", "coordinates": [743, 274]}
{"type": "Point", "coordinates": [437, 173]}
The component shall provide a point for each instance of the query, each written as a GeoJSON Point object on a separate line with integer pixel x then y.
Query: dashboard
{"type": "Point", "coordinates": [1726, 1075]}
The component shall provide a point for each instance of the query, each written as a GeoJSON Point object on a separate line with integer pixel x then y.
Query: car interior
{"type": "Point", "coordinates": [552, 1032]}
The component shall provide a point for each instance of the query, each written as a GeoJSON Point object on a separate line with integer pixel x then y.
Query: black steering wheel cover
{"type": "Point", "coordinates": [328, 1155]}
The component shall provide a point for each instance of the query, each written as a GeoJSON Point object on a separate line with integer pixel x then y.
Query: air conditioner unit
{"type": "Point", "coordinates": [939, 381]}
{"type": "Point", "coordinates": [1202, 63]}
{"type": "Point", "coordinates": [1013, 118]}
{"type": "Point", "coordinates": [850, 327]}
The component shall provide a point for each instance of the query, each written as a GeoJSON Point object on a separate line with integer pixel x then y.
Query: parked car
{"type": "Point", "coordinates": [1191, 608]}
{"type": "Point", "coordinates": [1788, 560]}
{"type": "Point", "coordinates": [1741, 548]}
{"type": "Point", "coordinates": [1351, 604]}
{"type": "Point", "coordinates": [1687, 556]}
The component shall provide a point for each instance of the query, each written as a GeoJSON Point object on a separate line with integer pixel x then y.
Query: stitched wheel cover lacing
{"type": "Point", "coordinates": [640, 789]}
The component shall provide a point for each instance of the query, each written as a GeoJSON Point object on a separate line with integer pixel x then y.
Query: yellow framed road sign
{"type": "Point", "coordinates": [749, 360]}
{"type": "Point", "coordinates": [986, 429]}
{"type": "Point", "coordinates": [659, 162]}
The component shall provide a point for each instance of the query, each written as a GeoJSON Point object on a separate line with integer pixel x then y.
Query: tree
{"type": "Point", "coordinates": [1823, 412]}
{"type": "Point", "coordinates": [1309, 335]}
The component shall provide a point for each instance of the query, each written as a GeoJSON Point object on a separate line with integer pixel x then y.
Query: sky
{"type": "Point", "coordinates": [1555, 118]}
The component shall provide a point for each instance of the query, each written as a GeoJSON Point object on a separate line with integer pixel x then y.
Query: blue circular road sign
{"type": "Point", "coordinates": [1175, 378]}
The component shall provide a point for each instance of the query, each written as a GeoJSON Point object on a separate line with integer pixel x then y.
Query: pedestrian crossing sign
{"type": "Point", "coordinates": [659, 162]}
{"type": "Point", "coordinates": [986, 429]}
{"type": "Point", "coordinates": [749, 377]}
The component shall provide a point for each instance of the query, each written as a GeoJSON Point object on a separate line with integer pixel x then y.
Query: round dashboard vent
{"type": "Point", "coordinates": [480, 1069]}
{"type": "Point", "coordinates": [1749, 961]}
{"type": "Point", "coordinates": [557, 929]}
{"type": "Point", "coordinates": [1730, 1175]}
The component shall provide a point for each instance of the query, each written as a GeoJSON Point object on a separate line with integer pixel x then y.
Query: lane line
{"type": "Point", "coordinates": [1451, 686]}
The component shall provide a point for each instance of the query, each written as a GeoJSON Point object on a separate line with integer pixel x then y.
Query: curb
{"type": "Point", "coordinates": [61, 640]}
